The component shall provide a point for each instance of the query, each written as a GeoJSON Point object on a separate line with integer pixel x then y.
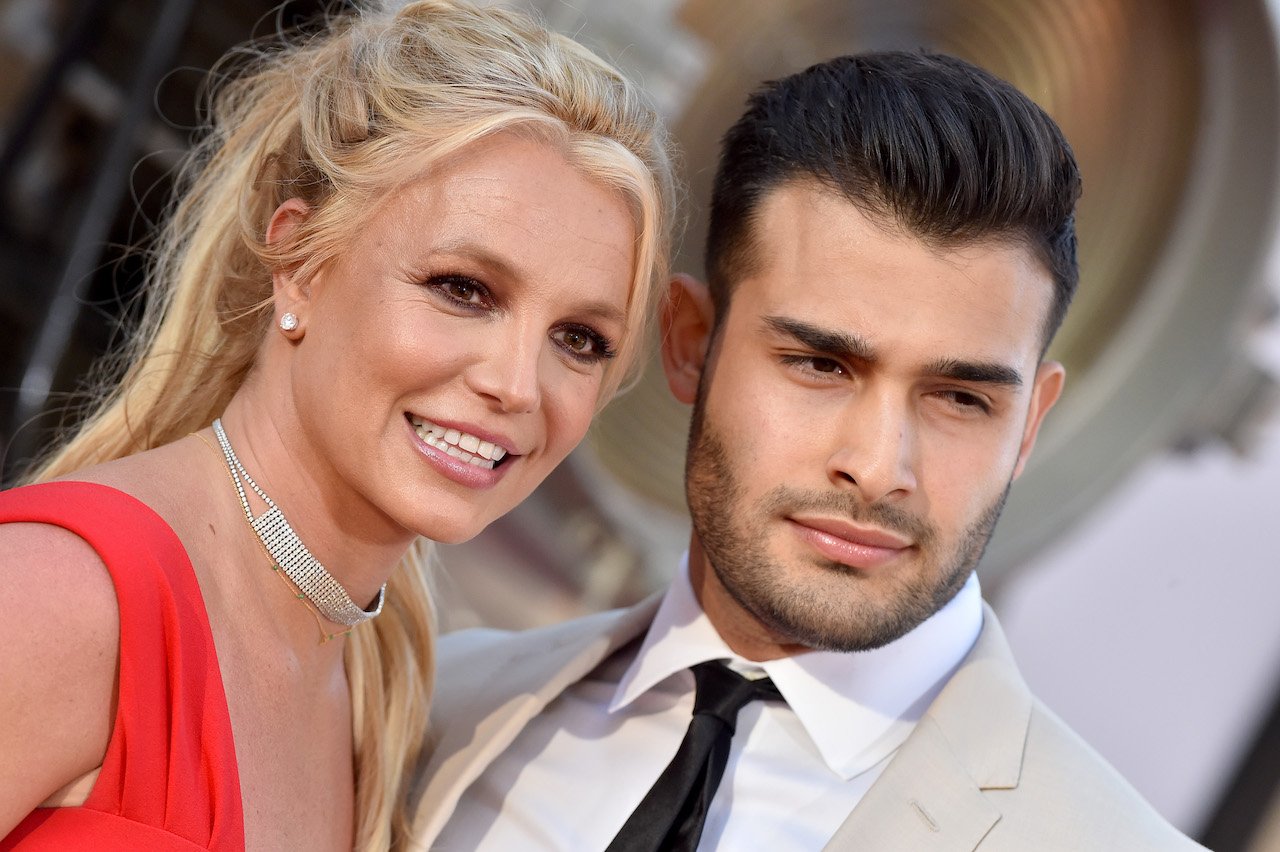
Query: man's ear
{"type": "Point", "coordinates": [688, 318]}
{"type": "Point", "coordinates": [291, 294]}
{"type": "Point", "coordinates": [1050, 377]}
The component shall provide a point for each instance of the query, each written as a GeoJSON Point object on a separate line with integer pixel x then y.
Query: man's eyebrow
{"type": "Point", "coordinates": [849, 346]}
{"type": "Point", "coordinates": [842, 344]}
{"type": "Point", "coordinates": [987, 373]}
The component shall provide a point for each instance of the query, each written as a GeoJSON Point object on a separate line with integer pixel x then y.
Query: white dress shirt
{"type": "Point", "coordinates": [577, 771]}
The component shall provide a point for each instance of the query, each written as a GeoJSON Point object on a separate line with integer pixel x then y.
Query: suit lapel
{"type": "Point", "coordinates": [971, 739]}
{"type": "Point", "coordinates": [925, 801]}
{"type": "Point", "coordinates": [486, 696]}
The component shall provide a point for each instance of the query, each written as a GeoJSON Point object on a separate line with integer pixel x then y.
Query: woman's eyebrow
{"type": "Point", "coordinates": [480, 254]}
{"type": "Point", "coordinates": [603, 311]}
{"type": "Point", "coordinates": [503, 267]}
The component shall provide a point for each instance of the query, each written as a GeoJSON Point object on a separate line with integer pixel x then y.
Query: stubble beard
{"type": "Point", "coordinates": [839, 610]}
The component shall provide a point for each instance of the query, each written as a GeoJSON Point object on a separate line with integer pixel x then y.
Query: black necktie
{"type": "Point", "coordinates": [670, 817]}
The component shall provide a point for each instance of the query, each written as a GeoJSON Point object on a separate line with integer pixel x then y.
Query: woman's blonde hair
{"type": "Point", "coordinates": [338, 119]}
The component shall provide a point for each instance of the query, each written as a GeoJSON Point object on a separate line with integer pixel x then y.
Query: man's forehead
{"type": "Point", "coordinates": [826, 262]}
{"type": "Point", "coordinates": [787, 209]}
{"type": "Point", "coordinates": [809, 241]}
{"type": "Point", "coordinates": [803, 194]}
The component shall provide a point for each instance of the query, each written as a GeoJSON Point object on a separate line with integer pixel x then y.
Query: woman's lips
{"type": "Point", "coordinates": [849, 544]}
{"type": "Point", "coordinates": [457, 470]}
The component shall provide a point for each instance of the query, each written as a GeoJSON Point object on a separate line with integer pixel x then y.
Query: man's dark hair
{"type": "Point", "coordinates": [931, 143]}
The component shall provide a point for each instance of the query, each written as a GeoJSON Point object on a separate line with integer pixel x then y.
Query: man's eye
{"type": "Point", "coordinates": [815, 364]}
{"type": "Point", "coordinates": [826, 365]}
{"type": "Point", "coordinates": [966, 401]}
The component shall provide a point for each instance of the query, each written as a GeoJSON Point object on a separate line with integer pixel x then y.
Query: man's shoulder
{"type": "Point", "coordinates": [1050, 789]}
{"type": "Point", "coordinates": [486, 645]}
{"type": "Point", "coordinates": [1061, 791]}
{"type": "Point", "coordinates": [1065, 783]}
{"type": "Point", "coordinates": [479, 668]}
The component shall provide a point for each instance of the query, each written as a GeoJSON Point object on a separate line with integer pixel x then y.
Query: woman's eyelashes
{"type": "Point", "coordinates": [580, 342]}
{"type": "Point", "coordinates": [583, 344]}
{"type": "Point", "coordinates": [462, 290]}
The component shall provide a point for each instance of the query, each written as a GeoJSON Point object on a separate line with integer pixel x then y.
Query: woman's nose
{"type": "Point", "coordinates": [507, 373]}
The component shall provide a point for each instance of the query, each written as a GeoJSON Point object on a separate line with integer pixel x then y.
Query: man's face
{"type": "Point", "coordinates": [862, 410]}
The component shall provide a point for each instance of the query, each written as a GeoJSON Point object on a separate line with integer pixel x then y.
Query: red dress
{"type": "Point", "coordinates": [169, 779]}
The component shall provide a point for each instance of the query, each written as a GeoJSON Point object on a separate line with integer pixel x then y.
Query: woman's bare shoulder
{"type": "Point", "coordinates": [168, 479]}
{"type": "Point", "coordinates": [58, 653]}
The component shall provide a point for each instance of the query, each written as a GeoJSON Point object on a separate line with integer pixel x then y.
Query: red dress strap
{"type": "Point", "coordinates": [169, 778]}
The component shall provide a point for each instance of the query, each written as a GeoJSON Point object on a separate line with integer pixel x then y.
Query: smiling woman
{"type": "Point", "coordinates": [410, 260]}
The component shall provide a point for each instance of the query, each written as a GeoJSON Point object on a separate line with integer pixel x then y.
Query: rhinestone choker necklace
{"type": "Point", "coordinates": [290, 553]}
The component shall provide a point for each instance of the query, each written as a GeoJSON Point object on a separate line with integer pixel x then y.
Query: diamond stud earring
{"type": "Point", "coordinates": [289, 322]}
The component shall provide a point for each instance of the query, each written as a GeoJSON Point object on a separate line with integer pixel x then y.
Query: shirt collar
{"type": "Point", "coordinates": [856, 707]}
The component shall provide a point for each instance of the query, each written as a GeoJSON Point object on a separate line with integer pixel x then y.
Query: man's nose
{"type": "Point", "coordinates": [875, 450]}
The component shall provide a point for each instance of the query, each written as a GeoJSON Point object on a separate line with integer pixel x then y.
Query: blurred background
{"type": "Point", "coordinates": [1134, 568]}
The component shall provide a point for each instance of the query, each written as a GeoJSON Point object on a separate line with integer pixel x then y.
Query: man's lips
{"type": "Point", "coordinates": [848, 543]}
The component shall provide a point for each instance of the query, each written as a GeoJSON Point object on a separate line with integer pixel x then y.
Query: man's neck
{"type": "Point", "coordinates": [741, 631]}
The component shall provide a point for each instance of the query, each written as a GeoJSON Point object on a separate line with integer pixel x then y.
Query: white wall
{"type": "Point", "coordinates": [1154, 628]}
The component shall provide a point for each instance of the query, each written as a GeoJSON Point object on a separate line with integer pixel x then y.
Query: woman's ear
{"type": "Point", "coordinates": [291, 294]}
{"type": "Point", "coordinates": [688, 318]}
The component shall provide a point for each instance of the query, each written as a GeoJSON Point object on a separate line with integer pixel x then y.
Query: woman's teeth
{"type": "Point", "coordinates": [461, 445]}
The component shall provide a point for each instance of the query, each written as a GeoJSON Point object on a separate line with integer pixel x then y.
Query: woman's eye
{"type": "Point", "coordinates": [461, 289]}
{"type": "Point", "coordinates": [576, 340]}
{"type": "Point", "coordinates": [464, 292]}
{"type": "Point", "coordinates": [583, 344]}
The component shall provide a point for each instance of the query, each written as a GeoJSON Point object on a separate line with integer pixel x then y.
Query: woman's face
{"type": "Point", "coordinates": [455, 353]}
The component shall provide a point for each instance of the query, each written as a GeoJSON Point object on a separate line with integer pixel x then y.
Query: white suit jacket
{"type": "Point", "coordinates": [987, 767]}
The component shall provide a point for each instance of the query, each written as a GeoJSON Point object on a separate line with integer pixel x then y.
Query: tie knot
{"type": "Point", "coordinates": [722, 692]}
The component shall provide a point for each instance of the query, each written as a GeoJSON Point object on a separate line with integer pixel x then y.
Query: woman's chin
{"type": "Point", "coordinates": [452, 536]}
{"type": "Point", "coordinates": [449, 530]}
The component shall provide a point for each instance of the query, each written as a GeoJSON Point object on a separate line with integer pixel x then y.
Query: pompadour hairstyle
{"type": "Point", "coordinates": [931, 143]}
